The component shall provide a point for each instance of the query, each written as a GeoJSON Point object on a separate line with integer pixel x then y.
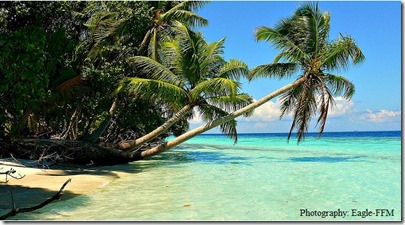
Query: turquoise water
{"type": "Point", "coordinates": [262, 178]}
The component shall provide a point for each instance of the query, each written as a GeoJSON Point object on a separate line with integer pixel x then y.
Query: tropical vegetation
{"type": "Point", "coordinates": [107, 82]}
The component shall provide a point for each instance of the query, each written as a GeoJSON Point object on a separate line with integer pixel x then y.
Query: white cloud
{"type": "Point", "coordinates": [344, 116]}
{"type": "Point", "coordinates": [341, 107]}
{"type": "Point", "coordinates": [269, 111]}
{"type": "Point", "coordinates": [381, 116]}
{"type": "Point", "coordinates": [197, 120]}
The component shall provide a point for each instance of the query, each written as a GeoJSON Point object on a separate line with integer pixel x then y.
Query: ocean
{"type": "Point", "coordinates": [342, 176]}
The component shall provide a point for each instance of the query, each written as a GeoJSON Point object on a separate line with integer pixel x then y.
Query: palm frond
{"type": "Point", "coordinates": [185, 53]}
{"type": "Point", "coordinates": [194, 5]}
{"type": "Point", "coordinates": [234, 70]}
{"type": "Point", "coordinates": [210, 113]}
{"type": "Point", "coordinates": [173, 56]}
{"type": "Point", "coordinates": [155, 70]}
{"type": "Point", "coordinates": [231, 104]}
{"type": "Point", "coordinates": [216, 86]}
{"type": "Point", "coordinates": [340, 86]}
{"type": "Point", "coordinates": [326, 101]}
{"type": "Point", "coordinates": [102, 25]}
{"type": "Point", "coordinates": [283, 42]}
{"type": "Point", "coordinates": [278, 70]}
{"type": "Point", "coordinates": [211, 58]}
{"type": "Point", "coordinates": [282, 55]}
{"type": "Point", "coordinates": [153, 89]}
{"type": "Point", "coordinates": [188, 18]}
{"type": "Point", "coordinates": [305, 108]}
{"type": "Point", "coordinates": [339, 53]}
{"type": "Point", "coordinates": [183, 13]}
{"type": "Point", "coordinates": [289, 100]}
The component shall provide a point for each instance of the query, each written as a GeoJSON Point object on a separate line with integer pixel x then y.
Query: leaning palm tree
{"type": "Point", "coordinates": [191, 75]}
{"type": "Point", "coordinates": [303, 39]}
{"type": "Point", "coordinates": [305, 48]}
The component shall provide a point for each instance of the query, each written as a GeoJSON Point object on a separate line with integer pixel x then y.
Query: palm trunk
{"type": "Point", "coordinates": [192, 133]}
{"type": "Point", "coordinates": [151, 135]}
{"type": "Point", "coordinates": [104, 125]}
{"type": "Point", "coordinates": [144, 44]}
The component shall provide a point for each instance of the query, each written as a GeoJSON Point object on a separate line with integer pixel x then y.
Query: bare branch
{"type": "Point", "coordinates": [14, 211]}
{"type": "Point", "coordinates": [9, 173]}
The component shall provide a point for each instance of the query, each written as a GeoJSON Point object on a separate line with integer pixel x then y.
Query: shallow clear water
{"type": "Point", "coordinates": [260, 178]}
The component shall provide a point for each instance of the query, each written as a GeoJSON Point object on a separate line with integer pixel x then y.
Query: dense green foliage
{"type": "Point", "coordinates": [61, 64]}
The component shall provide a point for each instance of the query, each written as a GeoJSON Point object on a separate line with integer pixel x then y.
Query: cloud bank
{"type": "Point", "coordinates": [343, 116]}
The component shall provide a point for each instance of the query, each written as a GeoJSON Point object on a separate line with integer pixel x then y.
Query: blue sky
{"type": "Point", "coordinates": [376, 27]}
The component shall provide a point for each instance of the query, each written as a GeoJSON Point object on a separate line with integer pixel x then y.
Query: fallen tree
{"type": "Point", "coordinates": [49, 152]}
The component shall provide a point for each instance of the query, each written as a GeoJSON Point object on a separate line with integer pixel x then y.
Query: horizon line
{"type": "Point", "coordinates": [312, 132]}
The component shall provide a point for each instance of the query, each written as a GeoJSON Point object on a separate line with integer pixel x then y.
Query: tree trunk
{"type": "Point", "coordinates": [192, 133]}
{"type": "Point", "coordinates": [144, 44]}
{"type": "Point", "coordinates": [153, 134]}
{"type": "Point", "coordinates": [71, 131]}
{"type": "Point", "coordinates": [54, 151]}
{"type": "Point", "coordinates": [104, 125]}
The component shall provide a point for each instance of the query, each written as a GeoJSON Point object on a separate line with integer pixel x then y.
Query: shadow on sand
{"type": "Point", "coordinates": [22, 194]}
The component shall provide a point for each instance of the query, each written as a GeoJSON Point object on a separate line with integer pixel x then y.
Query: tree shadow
{"type": "Point", "coordinates": [110, 171]}
{"type": "Point", "coordinates": [181, 157]}
{"type": "Point", "coordinates": [26, 196]}
{"type": "Point", "coordinates": [326, 159]}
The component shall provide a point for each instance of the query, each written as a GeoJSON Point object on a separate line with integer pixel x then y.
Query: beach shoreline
{"type": "Point", "coordinates": [38, 184]}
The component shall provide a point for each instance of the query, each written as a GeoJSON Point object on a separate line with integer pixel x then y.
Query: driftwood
{"type": "Point", "coordinates": [14, 211]}
{"type": "Point", "coordinates": [10, 173]}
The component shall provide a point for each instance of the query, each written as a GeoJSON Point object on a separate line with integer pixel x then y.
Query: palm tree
{"type": "Point", "coordinates": [192, 75]}
{"type": "Point", "coordinates": [303, 40]}
{"type": "Point", "coordinates": [166, 13]}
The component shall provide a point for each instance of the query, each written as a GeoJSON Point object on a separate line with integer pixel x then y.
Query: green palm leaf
{"type": "Point", "coordinates": [326, 101]}
{"type": "Point", "coordinates": [154, 89]}
{"type": "Point", "coordinates": [340, 86]}
{"type": "Point", "coordinates": [155, 70]}
{"type": "Point", "coordinates": [210, 113]}
{"type": "Point", "coordinates": [303, 112]}
{"type": "Point", "coordinates": [282, 42]}
{"type": "Point", "coordinates": [339, 53]}
{"type": "Point", "coordinates": [182, 12]}
{"type": "Point", "coordinates": [278, 70]}
{"type": "Point", "coordinates": [216, 86]}
{"type": "Point", "coordinates": [234, 70]}
{"type": "Point", "coordinates": [230, 104]}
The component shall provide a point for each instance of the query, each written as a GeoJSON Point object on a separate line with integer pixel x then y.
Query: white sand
{"type": "Point", "coordinates": [40, 184]}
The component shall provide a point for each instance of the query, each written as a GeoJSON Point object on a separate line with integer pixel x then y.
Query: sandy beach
{"type": "Point", "coordinates": [39, 184]}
